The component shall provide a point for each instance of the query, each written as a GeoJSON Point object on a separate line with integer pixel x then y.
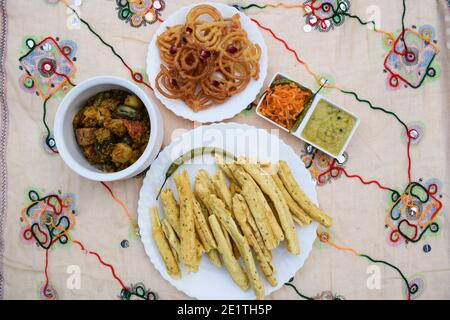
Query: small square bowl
{"type": "Point", "coordinates": [299, 133]}
{"type": "Point", "coordinates": [306, 115]}
{"type": "Point", "coordinates": [279, 77]}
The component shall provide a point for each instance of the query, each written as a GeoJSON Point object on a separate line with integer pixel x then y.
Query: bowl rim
{"type": "Point", "coordinates": [59, 128]}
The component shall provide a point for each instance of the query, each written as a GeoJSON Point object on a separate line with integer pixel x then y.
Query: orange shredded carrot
{"type": "Point", "coordinates": [284, 103]}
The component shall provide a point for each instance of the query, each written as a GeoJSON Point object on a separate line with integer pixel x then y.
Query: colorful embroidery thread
{"type": "Point", "coordinates": [49, 220]}
{"type": "Point", "coordinates": [49, 69]}
{"type": "Point", "coordinates": [410, 66]}
{"type": "Point", "coordinates": [414, 213]}
{"type": "Point", "coordinates": [137, 292]}
{"type": "Point", "coordinates": [319, 165]}
{"type": "Point", "coordinates": [46, 221]}
{"type": "Point", "coordinates": [140, 12]}
{"type": "Point", "coordinates": [49, 66]}
{"type": "Point", "coordinates": [325, 15]}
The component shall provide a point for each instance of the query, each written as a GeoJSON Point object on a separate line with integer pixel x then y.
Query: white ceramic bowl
{"type": "Point", "coordinates": [65, 136]}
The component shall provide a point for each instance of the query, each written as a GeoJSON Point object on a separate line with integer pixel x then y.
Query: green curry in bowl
{"type": "Point", "coordinates": [112, 130]}
{"type": "Point", "coordinates": [329, 127]}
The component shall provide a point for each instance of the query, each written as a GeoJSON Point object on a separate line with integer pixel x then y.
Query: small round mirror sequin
{"type": "Point", "coordinates": [307, 28]}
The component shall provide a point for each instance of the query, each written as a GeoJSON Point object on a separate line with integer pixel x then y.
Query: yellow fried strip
{"type": "Point", "coordinates": [241, 211]}
{"type": "Point", "coordinates": [285, 174]}
{"type": "Point", "coordinates": [221, 188]}
{"type": "Point", "coordinates": [219, 209]}
{"type": "Point", "coordinates": [273, 222]}
{"type": "Point", "coordinates": [202, 228]}
{"type": "Point", "coordinates": [269, 187]}
{"type": "Point", "coordinates": [172, 238]}
{"type": "Point", "coordinates": [163, 245]}
{"type": "Point", "coordinates": [203, 189]}
{"type": "Point", "coordinates": [234, 188]}
{"type": "Point", "coordinates": [230, 262]}
{"type": "Point", "coordinates": [298, 214]}
{"type": "Point", "coordinates": [187, 221]}
{"type": "Point", "coordinates": [258, 205]}
{"type": "Point", "coordinates": [225, 169]}
{"type": "Point", "coordinates": [171, 209]}
{"type": "Point", "coordinates": [214, 256]}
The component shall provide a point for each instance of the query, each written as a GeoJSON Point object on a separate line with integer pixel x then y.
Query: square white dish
{"type": "Point", "coordinates": [278, 74]}
{"type": "Point", "coordinates": [301, 128]}
{"type": "Point", "coordinates": [306, 114]}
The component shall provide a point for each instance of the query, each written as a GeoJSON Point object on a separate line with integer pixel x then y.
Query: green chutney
{"type": "Point", "coordinates": [329, 127]}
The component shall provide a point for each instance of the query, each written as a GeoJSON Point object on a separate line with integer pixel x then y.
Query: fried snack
{"type": "Point", "coordinates": [269, 187]}
{"type": "Point", "coordinates": [202, 227]}
{"type": "Point", "coordinates": [285, 174]}
{"type": "Point", "coordinates": [230, 262]}
{"type": "Point", "coordinates": [187, 221]}
{"type": "Point", "coordinates": [203, 189]}
{"type": "Point", "coordinates": [171, 210]}
{"type": "Point", "coordinates": [207, 60]}
{"type": "Point", "coordinates": [257, 234]}
{"type": "Point", "coordinates": [241, 211]}
{"type": "Point", "coordinates": [234, 188]}
{"type": "Point", "coordinates": [163, 245]}
{"type": "Point", "coordinates": [214, 256]}
{"type": "Point", "coordinates": [298, 214]}
{"type": "Point", "coordinates": [284, 103]}
{"type": "Point", "coordinates": [220, 211]}
{"type": "Point", "coordinates": [222, 191]}
{"type": "Point", "coordinates": [265, 220]}
{"type": "Point", "coordinates": [298, 221]}
{"type": "Point", "coordinates": [223, 167]}
{"type": "Point", "coordinates": [172, 238]}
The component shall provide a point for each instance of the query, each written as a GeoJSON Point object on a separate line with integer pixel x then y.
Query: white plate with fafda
{"type": "Point", "coordinates": [211, 282]}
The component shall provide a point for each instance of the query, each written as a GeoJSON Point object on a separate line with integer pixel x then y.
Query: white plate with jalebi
{"type": "Point", "coordinates": [217, 111]}
{"type": "Point", "coordinates": [211, 282]}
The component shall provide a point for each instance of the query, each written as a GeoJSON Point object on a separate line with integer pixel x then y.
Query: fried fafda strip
{"type": "Point", "coordinates": [171, 209]}
{"type": "Point", "coordinates": [260, 209]}
{"type": "Point", "coordinates": [213, 254]}
{"type": "Point", "coordinates": [273, 222]}
{"type": "Point", "coordinates": [241, 211]}
{"type": "Point", "coordinates": [285, 174]}
{"type": "Point", "coordinates": [172, 238]}
{"type": "Point", "coordinates": [224, 193]}
{"type": "Point", "coordinates": [187, 221]}
{"type": "Point", "coordinates": [269, 187]}
{"type": "Point", "coordinates": [297, 221]}
{"type": "Point", "coordinates": [259, 239]}
{"type": "Point", "coordinates": [230, 262]}
{"type": "Point", "coordinates": [225, 169]}
{"type": "Point", "coordinates": [234, 188]}
{"type": "Point", "coordinates": [163, 245]}
{"type": "Point", "coordinates": [221, 187]}
{"type": "Point", "coordinates": [203, 189]}
{"type": "Point", "coordinates": [203, 208]}
{"type": "Point", "coordinates": [219, 209]}
{"type": "Point", "coordinates": [298, 214]}
{"type": "Point", "coordinates": [202, 228]}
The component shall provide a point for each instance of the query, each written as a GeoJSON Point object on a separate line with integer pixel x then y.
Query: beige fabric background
{"type": "Point", "coordinates": [352, 54]}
